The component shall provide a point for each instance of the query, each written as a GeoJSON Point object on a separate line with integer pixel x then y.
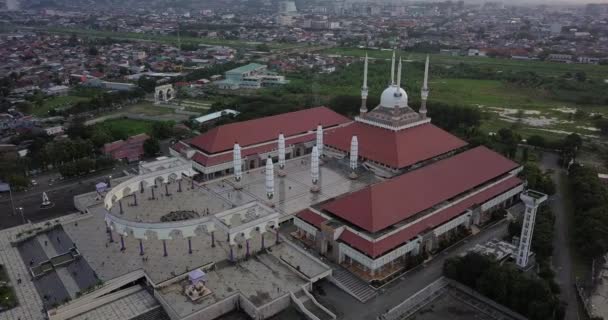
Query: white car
{"type": "Point", "coordinates": [34, 183]}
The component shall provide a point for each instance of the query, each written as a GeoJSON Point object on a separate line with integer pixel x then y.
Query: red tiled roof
{"type": "Point", "coordinates": [397, 149]}
{"type": "Point", "coordinates": [131, 149]}
{"type": "Point", "coordinates": [376, 249]}
{"type": "Point", "coordinates": [384, 204]}
{"type": "Point", "coordinates": [256, 131]}
{"type": "Point", "coordinates": [225, 157]}
{"type": "Point", "coordinates": [311, 217]}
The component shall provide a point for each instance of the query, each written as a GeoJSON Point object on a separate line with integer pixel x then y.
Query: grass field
{"type": "Point", "coordinates": [540, 67]}
{"type": "Point", "coordinates": [57, 102]}
{"type": "Point", "coordinates": [170, 39]}
{"type": "Point", "coordinates": [126, 127]}
{"type": "Point", "coordinates": [148, 109]}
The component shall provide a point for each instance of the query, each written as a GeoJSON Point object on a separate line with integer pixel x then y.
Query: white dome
{"type": "Point", "coordinates": [393, 96]}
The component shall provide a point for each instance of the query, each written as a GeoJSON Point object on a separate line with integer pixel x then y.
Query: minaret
{"type": "Point", "coordinates": [269, 179]}
{"type": "Point", "coordinates": [397, 92]}
{"type": "Point", "coordinates": [364, 90]}
{"type": "Point", "coordinates": [320, 139]}
{"type": "Point", "coordinates": [281, 155]}
{"type": "Point", "coordinates": [354, 155]}
{"type": "Point", "coordinates": [425, 89]}
{"type": "Point", "coordinates": [314, 169]}
{"type": "Point", "coordinates": [393, 69]}
{"type": "Point", "coordinates": [237, 163]}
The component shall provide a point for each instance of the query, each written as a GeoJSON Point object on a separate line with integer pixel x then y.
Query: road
{"type": "Point", "coordinates": [347, 307]}
{"type": "Point", "coordinates": [562, 258]}
{"type": "Point", "coordinates": [60, 193]}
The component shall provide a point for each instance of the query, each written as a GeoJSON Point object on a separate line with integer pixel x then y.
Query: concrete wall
{"type": "Point", "coordinates": [277, 305]}
{"type": "Point", "coordinates": [216, 310]}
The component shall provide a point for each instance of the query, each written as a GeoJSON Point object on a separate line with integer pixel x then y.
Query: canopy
{"type": "Point", "coordinates": [101, 187]}
{"type": "Point", "coordinates": [197, 275]}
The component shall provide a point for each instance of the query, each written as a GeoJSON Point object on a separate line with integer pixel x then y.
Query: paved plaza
{"type": "Point", "coordinates": [292, 192]}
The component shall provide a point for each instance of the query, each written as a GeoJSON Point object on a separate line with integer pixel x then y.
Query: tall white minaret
{"type": "Point", "coordinates": [320, 139]}
{"type": "Point", "coordinates": [364, 90]}
{"type": "Point", "coordinates": [269, 179]}
{"type": "Point", "coordinates": [397, 91]}
{"type": "Point", "coordinates": [425, 89]}
{"type": "Point", "coordinates": [314, 169]}
{"type": "Point", "coordinates": [237, 163]}
{"type": "Point", "coordinates": [393, 69]}
{"type": "Point", "coordinates": [281, 155]}
{"type": "Point", "coordinates": [354, 155]}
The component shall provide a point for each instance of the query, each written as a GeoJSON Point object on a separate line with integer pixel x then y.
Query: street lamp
{"type": "Point", "coordinates": [21, 212]}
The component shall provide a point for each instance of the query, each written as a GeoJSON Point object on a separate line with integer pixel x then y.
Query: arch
{"type": "Point", "coordinates": [176, 234]}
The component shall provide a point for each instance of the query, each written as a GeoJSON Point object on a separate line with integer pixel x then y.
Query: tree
{"type": "Point", "coordinates": [147, 84]}
{"type": "Point", "coordinates": [162, 129]}
{"type": "Point", "coordinates": [151, 147]}
{"type": "Point", "coordinates": [537, 141]}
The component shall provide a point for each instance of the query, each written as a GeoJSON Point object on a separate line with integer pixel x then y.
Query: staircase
{"type": "Point", "coordinates": [310, 307]}
{"type": "Point", "coordinates": [353, 285]}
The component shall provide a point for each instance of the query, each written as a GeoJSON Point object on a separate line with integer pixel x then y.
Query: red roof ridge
{"type": "Point", "coordinates": [381, 205]}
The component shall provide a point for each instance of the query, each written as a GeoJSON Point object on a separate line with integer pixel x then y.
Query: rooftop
{"type": "Point", "coordinates": [246, 68]}
{"type": "Point", "coordinates": [398, 149]}
{"type": "Point", "coordinates": [266, 129]}
{"type": "Point", "coordinates": [375, 208]}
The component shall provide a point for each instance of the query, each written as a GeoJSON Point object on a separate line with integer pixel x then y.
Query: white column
{"type": "Point", "coordinates": [399, 74]}
{"type": "Point", "coordinates": [237, 163]}
{"type": "Point", "coordinates": [424, 94]}
{"type": "Point", "coordinates": [364, 89]}
{"type": "Point", "coordinates": [281, 155]}
{"type": "Point", "coordinates": [320, 139]}
{"type": "Point", "coordinates": [314, 169]}
{"type": "Point", "coordinates": [393, 69]}
{"type": "Point", "coordinates": [354, 155]}
{"type": "Point", "coordinates": [269, 179]}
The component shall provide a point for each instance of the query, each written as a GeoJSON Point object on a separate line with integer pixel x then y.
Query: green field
{"type": "Point", "coordinates": [148, 109]}
{"type": "Point", "coordinates": [170, 39]}
{"type": "Point", "coordinates": [125, 127]}
{"type": "Point", "coordinates": [57, 102]}
{"type": "Point", "coordinates": [540, 67]}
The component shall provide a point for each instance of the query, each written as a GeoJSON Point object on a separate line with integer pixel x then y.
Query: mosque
{"type": "Point", "coordinates": [224, 224]}
{"type": "Point", "coordinates": [431, 186]}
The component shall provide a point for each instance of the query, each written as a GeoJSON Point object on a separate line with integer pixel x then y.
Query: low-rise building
{"type": "Point", "coordinates": [251, 76]}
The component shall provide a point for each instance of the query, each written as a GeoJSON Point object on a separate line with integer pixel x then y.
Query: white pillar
{"type": "Point", "coordinates": [314, 169]}
{"type": "Point", "coordinates": [237, 165]}
{"type": "Point", "coordinates": [269, 179]}
{"type": "Point", "coordinates": [424, 94]}
{"type": "Point", "coordinates": [364, 89]}
{"type": "Point", "coordinates": [393, 69]}
{"type": "Point", "coordinates": [320, 139]}
{"type": "Point", "coordinates": [399, 74]}
{"type": "Point", "coordinates": [354, 155]}
{"type": "Point", "coordinates": [532, 199]}
{"type": "Point", "coordinates": [281, 155]}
